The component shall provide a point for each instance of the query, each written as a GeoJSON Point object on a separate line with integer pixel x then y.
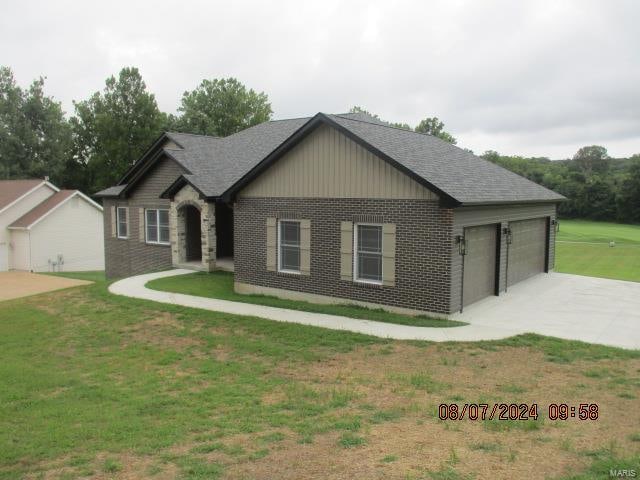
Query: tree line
{"type": "Point", "coordinates": [597, 186]}
{"type": "Point", "coordinates": [107, 132]}
{"type": "Point", "coordinates": [91, 149]}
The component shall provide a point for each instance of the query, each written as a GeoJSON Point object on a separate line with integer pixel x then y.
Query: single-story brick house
{"type": "Point", "coordinates": [332, 208]}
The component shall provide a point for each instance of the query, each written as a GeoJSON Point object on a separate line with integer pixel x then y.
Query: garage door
{"type": "Point", "coordinates": [527, 250]}
{"type": "Point", "coordinates": [479, 278]}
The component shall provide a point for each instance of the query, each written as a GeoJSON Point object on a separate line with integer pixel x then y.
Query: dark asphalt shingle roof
{"type": "Point", "coordinates": [111, 191]}
{"type": "Point", "coordinates": [215, 164]}
{"type": "Point", "coordinates": [460, 174]}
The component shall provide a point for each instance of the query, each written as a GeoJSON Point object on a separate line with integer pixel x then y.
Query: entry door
{"type": "Point", "coordinates": [4, 257]}
{"type": "Point", "coordinates": [479, 278]}
{"type": "Point", "coordinates": [193, 234]}
{"type": "Point", "coordinates": [527, 250]}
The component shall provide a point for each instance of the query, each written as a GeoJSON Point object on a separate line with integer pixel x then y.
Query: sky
{"type": "Point", "coordinates": [531, 78]}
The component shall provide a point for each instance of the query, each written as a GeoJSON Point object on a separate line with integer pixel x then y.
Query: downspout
{"type": "Point", "coordinates": [507, 232]}
{"type": "Point", "coordinates": [29, 265]}
{"type": "Point", "coordinates": [462, 251]}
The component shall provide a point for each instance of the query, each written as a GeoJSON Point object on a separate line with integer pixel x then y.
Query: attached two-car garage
{"type": "Point", "coordinates": [526, 249]}
{"type": "Point", "coordinates": [495, 256]}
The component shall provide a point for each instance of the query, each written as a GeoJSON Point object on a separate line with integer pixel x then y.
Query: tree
{"type": "Point", "coordinates": [592, 160]}
{"type": "Point", "coordinates": [112, 129]}
{"type": "Point", "coordinates": [433, 126]}
{"type": "Point", "coordinates": [628, 200]}
{"type": "Point", "coordinates": [222, 107]}
{"type": "Point", "coordinates": [35, 137]}
{"type": "Point", "coordinates": [357, 109]}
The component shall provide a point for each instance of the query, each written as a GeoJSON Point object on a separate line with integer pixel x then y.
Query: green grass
{"type": "Point", "coordinates": [582, 248]}
{"type": "Point", "coordinates": [91, 276]}
{"type": "Point", "coordinates": [598, 232]}
{"type": "Point", "coordinates": [86, 377]}
{"type": "Point", "coordinates": [72, 380]}
{"type": "Point", "coordinates": [220, 285]}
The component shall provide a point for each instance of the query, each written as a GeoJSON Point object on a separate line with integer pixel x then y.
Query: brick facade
{"type": "Point", "coordinates": [133, 256]}
{"type": "Point", "coordinates": [423, 246]}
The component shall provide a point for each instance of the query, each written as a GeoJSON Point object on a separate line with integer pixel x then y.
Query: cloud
{"type": "Point", "coordinates": [531, 77]}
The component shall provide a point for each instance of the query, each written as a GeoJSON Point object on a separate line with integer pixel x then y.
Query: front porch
{"type": "Point", "coordinates": [201, 232]}
{"type": "Point", "coordinates": [224, 263]}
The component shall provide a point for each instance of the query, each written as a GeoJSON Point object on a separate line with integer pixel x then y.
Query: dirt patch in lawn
{"type": "Point", "coordinates": [121, 466]}
{"type": "Point", "coordinates": [163, 330]}
{"type": "Point", "coordinates": [413, 381]}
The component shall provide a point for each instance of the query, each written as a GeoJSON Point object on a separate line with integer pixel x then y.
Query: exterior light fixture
{"type": "Point", "coordinates": [462, 244]}
{"type": "Point", "coordinates": [507, 232]}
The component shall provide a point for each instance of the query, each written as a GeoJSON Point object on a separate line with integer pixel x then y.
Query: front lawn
{"type": "Point", "coordinates": [98, 386]}
{"type": "Point", "coordinates": [220, 285]}
{"type": "Point", "coordinates": [582, 248]}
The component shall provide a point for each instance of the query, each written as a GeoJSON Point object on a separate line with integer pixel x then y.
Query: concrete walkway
{"type": "Point", "coordinates": [482, 325]}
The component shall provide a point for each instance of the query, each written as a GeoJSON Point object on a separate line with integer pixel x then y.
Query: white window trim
{"type": "Point", "coordinates": [355, 255]}
{"type": "Point", "coordinates": [126, 222]}
{"type": "Point", "coordinates": [146, 231]}
{"type": "Point", "coordinates": [278, 245]}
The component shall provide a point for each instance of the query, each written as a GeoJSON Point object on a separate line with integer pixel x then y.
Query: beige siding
{"type": "Point", "coordinates": [20, 250]}
{"type": "Point", "coordinates": [327, 164]}
{"type": "Point", "coordinates": [75, 231]}
{"type": "Point", "coordinates": [13, 213]}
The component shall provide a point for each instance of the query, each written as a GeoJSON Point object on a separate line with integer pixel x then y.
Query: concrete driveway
{"type": "Point", "coordinates": [574, 307]}
{"type": "Point", "coordinates": [22, 284]}
{"type": "Point", "coordinates": [566, 306]}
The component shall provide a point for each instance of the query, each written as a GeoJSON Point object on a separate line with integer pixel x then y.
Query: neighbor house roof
{"type": "Point", "coordinates": [221, 166]}
{"type": "Point", "coordinates": [12, 190]}
{"type": "Point", "coordinates": [44, 208]}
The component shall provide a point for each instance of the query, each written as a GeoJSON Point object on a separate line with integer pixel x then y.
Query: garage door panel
{"type": "Point", "coordinates": [527, 250]}
{"type": "Point", "coordinates": [479, 277]}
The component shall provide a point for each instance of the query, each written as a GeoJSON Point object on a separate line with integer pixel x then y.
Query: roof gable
{"type": "Point", "coordinates": [307, 129]}
{"type": "Point", "coordinates": [12, 191]}
{"type": "Point", "coordinates": [326, 163]}
{"type": "Point", "coordinates": [43, 209]}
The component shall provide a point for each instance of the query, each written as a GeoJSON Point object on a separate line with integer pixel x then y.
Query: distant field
{"type": "Point", "coordinates": [583, 248]}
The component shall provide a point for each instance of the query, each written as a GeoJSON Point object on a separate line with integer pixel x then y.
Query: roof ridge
{"type": "Point", "coordinates": [383, 123]}
{"type": "Point", "coordinates": [192, 134]}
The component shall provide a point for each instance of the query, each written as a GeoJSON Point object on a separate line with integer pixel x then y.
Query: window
{"type": "Point", "coordinates": [368, 258]}
{"type": "Point", "coordinates": [289, 246]}
{"type": "Point", "coordinates": [157, 226]}
{"type": "Point", "coordinates": [122, 222]}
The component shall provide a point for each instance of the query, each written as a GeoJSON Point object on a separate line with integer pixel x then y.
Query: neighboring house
{"type": "Point", "coordinates": [333, 208]}
{"type": "Point", "coordinates": [45, 229]}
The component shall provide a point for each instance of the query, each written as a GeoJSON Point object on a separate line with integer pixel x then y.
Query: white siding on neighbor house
{"type": "Point", "coordinates": [13, 213]}
{"type": "Point", "coordinates": [327, 164]}
{"type": "Point", "coordinates": [73, 230]}
{"type": "Point", "coordinates": [21, 255]}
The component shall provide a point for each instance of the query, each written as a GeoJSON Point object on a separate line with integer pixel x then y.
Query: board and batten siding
{"type": "Point", "coordinates": [327, 164]}
{"type": "Point", "coordinates": [474, 216]}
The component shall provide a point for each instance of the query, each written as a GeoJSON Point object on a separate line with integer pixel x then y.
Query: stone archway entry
{"type": "Point", "coordinates": [192, 234]}
{"type": "Point", "coordinates": [192, 226]}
